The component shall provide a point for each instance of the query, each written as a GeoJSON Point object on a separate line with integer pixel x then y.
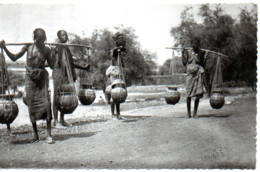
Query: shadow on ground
{"type": "Point", "coordinates": [132, 118]}
{"type": "Point", "coordinates": [62, 137]}
{"type": "Point", "coordinates": [59, 137]}
{"type": "Point", "coordinates": [214, 115]}
{"type": "Point", "coordinates": [83, 122]}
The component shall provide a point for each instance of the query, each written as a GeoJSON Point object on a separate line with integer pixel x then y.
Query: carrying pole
{"type": "Point", "coordinates": [190, 48]}
{"type": "Point", "coordinates": [51, 44]}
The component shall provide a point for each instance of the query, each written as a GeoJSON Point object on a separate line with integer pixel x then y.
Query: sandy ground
{"type": "Point", "coordinates": [155, 135]}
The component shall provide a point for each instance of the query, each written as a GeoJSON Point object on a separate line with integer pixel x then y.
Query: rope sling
{"type": "Point", "coordinates": [4, 76]}
{"type": "Point", "coordinates": [86, 94]}
{"type": "Point", "coordinates": [87, 75]}
{"type": "Point", "coordinates": [8, 108]}
{"type": "Point", "coordinates": [119, 63]}
{"type": "Point", "coordinates": [119, 92]}
{"type": "Point", "coordinates": [217, 83]}
{"type": "Point", "coordinates": [68, 99]}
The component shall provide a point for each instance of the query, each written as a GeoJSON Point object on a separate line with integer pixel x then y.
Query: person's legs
{"type": "Point", "coordinates": [118, 114]}
{"type": "Point", "coordinates": [63, 122]}
{"type": "Point", "coordinates": [57, 124]}
{"type": "Point", "coordinates": [196, 105]}
{"type": "Point", "coordinates": [108, 97]}
{"type": "Point", "coordinates": [188, 101]}
{"type": "Point", "coordinates": [112, 105]}
{"type": "Point", "coordinates": [55, 114]}
{"type": "Point", "coordinates": [9, 129]}
{"type": "Point", "coordinates": [117, 109]}
{"type": "Point", "coordinates": [49, 136]}
{"type": "Point", "coordinates": [36, 137]}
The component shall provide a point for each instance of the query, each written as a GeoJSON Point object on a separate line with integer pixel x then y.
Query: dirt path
{"type": "Point", "coordinates": [152, 137]}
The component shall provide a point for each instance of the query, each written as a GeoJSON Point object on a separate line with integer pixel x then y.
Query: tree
{"type": "Point", "coordinates": [169, 64]}
{"type": "Point", "coordinates": [221, 33]}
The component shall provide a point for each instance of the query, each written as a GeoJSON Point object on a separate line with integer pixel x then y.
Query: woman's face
{"type": "Point", "coordinates": [63, 37]}
{"type": "Point", "coordinates": [195, 46]}
{"type": "Point", "coordinates": [40, 39]}
{"type": "Point", "coordinates": [120, 41]}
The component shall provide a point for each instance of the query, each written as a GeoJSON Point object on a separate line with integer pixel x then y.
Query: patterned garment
{"type": "Point", "coordinates": [37, 94]}
{"type": "Point", "coordinates": [194, 82]}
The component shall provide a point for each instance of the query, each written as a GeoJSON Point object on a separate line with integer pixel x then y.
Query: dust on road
{"type": "Point", "coordinates": [151, 137]}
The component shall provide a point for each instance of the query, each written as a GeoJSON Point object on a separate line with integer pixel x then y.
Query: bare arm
{"type": "Point", "coordinates": [50, 58]}
{"type": "Point", "coordinates": [205, 58]}
{"type": "Point", "coordinates": [184, 57]}
{"type": "Point", "coordinates": [83, 67]}
{"type": "Point", "coordinates": [16, 56]}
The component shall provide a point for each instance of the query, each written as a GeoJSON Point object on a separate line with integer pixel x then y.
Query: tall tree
{"type": "Point", "coordinates": [220, 32]}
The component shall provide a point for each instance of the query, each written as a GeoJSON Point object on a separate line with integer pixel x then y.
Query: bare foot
{"type": "Point", "coordinates": [120, 117]}
{"type": "Point", "coordinates": [188, 116]}
{"type": "Point", "coordinates": [59, 126]}
{"type": "Point", "coordinates": [35, 139]}
{"type": "Point", "coordinates": [65, 124]}
{"type": "Point", "coordinates": [114, 116]}
{"type": "Point", "coordinates": [50, 140]}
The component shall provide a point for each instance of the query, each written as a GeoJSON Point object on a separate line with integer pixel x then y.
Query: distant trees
{"type": "Point", "coordinates": [221, 33]}
{"type": "Point", "coordinates": [167, 67]}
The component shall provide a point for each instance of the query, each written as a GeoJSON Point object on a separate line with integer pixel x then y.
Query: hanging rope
{"type": "Point", "coordinates": [119, 63]}
{"type": "Point", "coordinates": [5, 82]}
{"type": "Point", "coordinates": [4, 76]}
{"type": "Point", "coordinates": [2, 72]}
{"type": "Point", "coordinates": [87, 73]}
{"type": "Point", "coordinates": [68, 71]}
{"type": "Point", "coordinates": [189, 48]}
{"type": "Point", "coordinates": [217, 79]}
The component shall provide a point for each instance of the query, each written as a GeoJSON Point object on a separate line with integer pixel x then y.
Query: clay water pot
{"type": "Point", "coordinates": [68, 102]}
{"type": "Point", "coordinates": [172, 96]}
{"type": "Point", "coordinates": [118, 94]}
{"type": "Point", "coordinates": [67, 88]}
{"type": "Point", "coordinates": [8, 110]}
{"type": "Point", "coordinates": [86, 94]}
{"type": "Point", "coordinates": [108, 90]}
{"type": "Point", "coordinates": [217, 99]}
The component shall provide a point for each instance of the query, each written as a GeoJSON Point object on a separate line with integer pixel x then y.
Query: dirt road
{"type": "Point", "coordinates": [151, 137]}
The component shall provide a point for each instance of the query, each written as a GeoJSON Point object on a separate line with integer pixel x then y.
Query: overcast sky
{"type": "Point", "coordinates": [152, 21]}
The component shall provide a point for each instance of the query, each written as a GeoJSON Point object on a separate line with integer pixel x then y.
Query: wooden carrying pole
{"type": "Point", "coordinates": [189, 48]}
{"type": "Point", "coordinates": [54, 44]}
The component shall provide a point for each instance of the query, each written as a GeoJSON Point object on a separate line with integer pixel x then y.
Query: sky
{"type": "Point", "coordinates": [151, 20]}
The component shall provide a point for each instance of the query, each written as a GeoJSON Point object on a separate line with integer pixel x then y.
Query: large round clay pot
{"type": "Point", "coordinates": [118, 93]}
{"type": "Point", "coordinates": [67, 88]}
{"type": "Point", "coordinates": [68, 102]}
{"type": "Point", "coordinates": [8, 111]}
{"type": "Point", "coordinates": [217, 99]}
{"type": "Point", "coordinates": [86, 96]}
{"type": "Point", "coordinates": [172, 96]}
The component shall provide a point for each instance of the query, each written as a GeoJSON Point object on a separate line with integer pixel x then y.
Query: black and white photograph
{"type": "Point", "coordinates": [122, 84]}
